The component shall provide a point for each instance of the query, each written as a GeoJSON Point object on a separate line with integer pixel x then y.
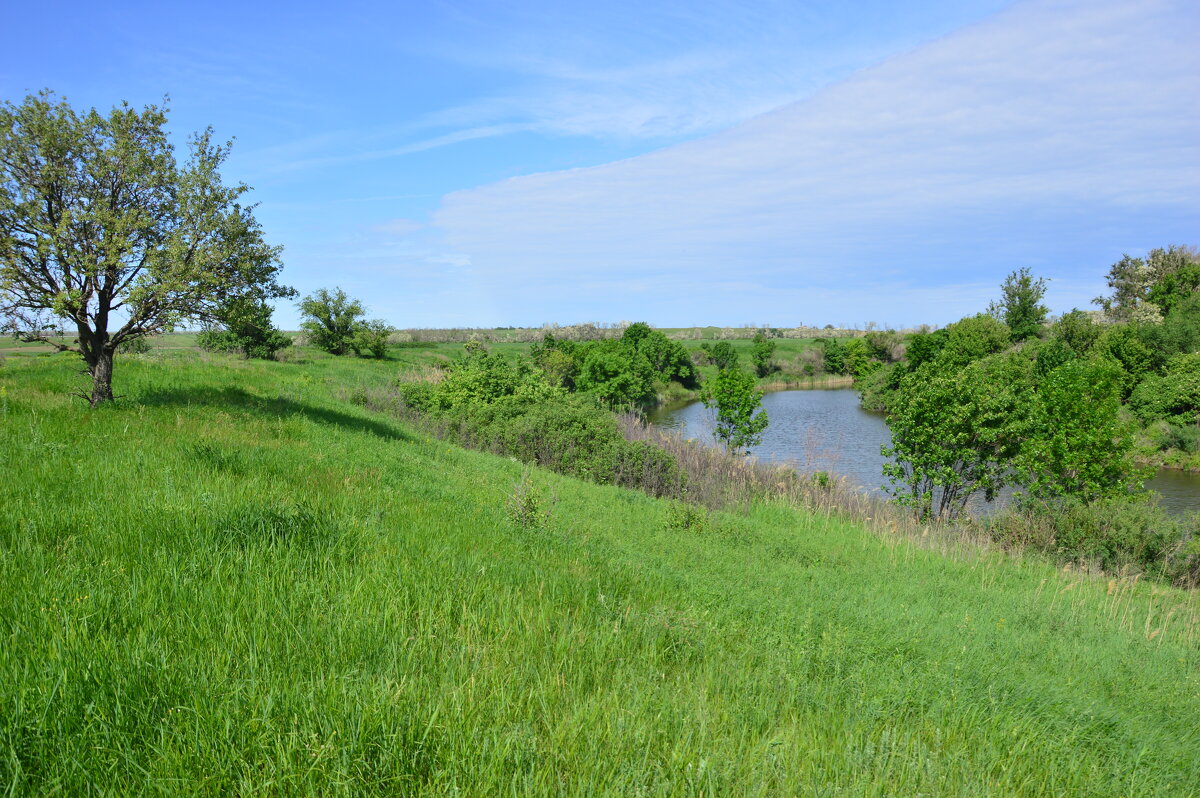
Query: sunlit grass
{"type": "Point", "coordinates": [235, 581]}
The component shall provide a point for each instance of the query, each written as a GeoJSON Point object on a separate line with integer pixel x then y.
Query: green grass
{"type": "Point", "coordinates": [232, 581]}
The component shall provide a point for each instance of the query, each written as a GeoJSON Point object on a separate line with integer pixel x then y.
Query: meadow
{"type": "Point", "coordinates": [236, 579]}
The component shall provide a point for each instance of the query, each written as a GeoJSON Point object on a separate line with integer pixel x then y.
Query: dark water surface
{"type": "Point", "coordinates": [827, 430]}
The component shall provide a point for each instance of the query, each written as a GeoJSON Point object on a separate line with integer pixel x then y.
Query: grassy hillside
{"type": "Point", "coordinates": [236, 581]}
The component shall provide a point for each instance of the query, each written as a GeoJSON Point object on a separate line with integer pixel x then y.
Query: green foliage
{"type": "Point", "coordinates": [686, 517]}
{"type": "Point", "coordinates": [884, 346]}
{"type": "Point", "coordinates": [331, 320]}
{"type": "Point", "coordinates": [1077, 331]}
{"type": "Point", "coordinates": [1114, 533]}
{"type": "Point", "coordinates": [721, 354]}
{"type": "Point", "coordinates": [1133, 345]}
{"type": "Point", "coordinates": [1182, 437]}
{"type": "Point", "coordinates": [856, 358]}
{"type": "Point", "coordinates": [98, 222]}
{"type": "Point", "coordinates": [370, 338]}
{"type": "Point", "coordinates": [529, 507]}
{"type": "Point", "coordinates": [955, 432]}
{"type": "Point", "coordinates": [1174, 396]}
{"type": "Point", "coordinates": [761, 352]}
{"type": "Point", "coordinates": [1020, 307]}
{"type": "Point", "coordinates": [1138, 284]}
{"type": "Point", "coordinates": [1180, 330]}
{"type": "Point", "coordinates": [508, 407]}
{"type": "Point", "coordinates": [247, 330]}
{"type": "Point", "coordinates": [616, 373]}
{"type": "Point", "coordinates": [834, 355]}
{"type": "Point", "coordinates": [973, 338]}
{"type": "Point", "coordinates": [557, 361]}
{"type": "Point", "coordinates": [134, 346]}
{"type": "Point", "coordinates": [668, 359]}
{"type": "Point", "coordinates": [1175, 287]}
{"type": "Point", "coordinates": [740, 421]}
{"type": "Point", "coordinates": [920, 348]}
{"type": "Point", "coordinates": [336, 323]}
{"type": "Point", "coordinates": [1075, 442]}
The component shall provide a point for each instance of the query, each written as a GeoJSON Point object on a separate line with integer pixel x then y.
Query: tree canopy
{"type": "Point", "coordinates": [106, 238]}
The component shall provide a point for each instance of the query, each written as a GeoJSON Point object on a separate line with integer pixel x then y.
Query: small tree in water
{"type": "Point", "coordinates": [735, 398]}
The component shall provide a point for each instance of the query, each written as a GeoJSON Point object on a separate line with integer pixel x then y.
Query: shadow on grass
{"type": "Point", "coordinates": [239, 399]}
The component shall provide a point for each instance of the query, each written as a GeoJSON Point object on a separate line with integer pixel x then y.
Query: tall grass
{"type": "Point", "coordinates": [234, 582]}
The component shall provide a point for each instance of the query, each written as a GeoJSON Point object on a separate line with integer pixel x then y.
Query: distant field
{"type": "Point", "coordinates": [181, 340]}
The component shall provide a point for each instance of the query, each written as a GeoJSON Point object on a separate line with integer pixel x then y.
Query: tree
{"type": "Point", "coordinates": [761, 352]}
{"type": "Point", "coordinates": [1077, 331]}
{"type": "Point", "coordinates": [669, 359]}
{"type": "Point", "coordinates": [1074, 442]}
{"type": "Point", "coordinates": [337, 324]}
{"type": "Point", "coordinates": [329, 319]}
{"type": "Point", "coordinates": [370, 338]}
{"type": "Point", "coordinates": [955, 431]}
{"type": "Point", "coordinates": [721, 354]}
{"type": "Point", "coordinates": [1133, 279]}
{"type": "Point", "coordinates": [245, 327]}
{"type": "Point", "coordinates": [102, 233]}
{"type": "Point", "coordinates": [616, 373]}
{"type": "Point", "coordinates": [1020, 307]}
{"type": "Point", "coordinates": [733, 394]}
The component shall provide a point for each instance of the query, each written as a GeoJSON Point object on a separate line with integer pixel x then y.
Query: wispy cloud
{"type": "Point", "coordinates": [1001, 145]}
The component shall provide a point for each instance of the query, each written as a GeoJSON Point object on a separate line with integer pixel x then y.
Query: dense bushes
{"type": "Point", "coordinates": [245, 328]}
{"type": "Point", "coordinates": [1115, 534]}
{"type": "Point", "coordinates": [508, 407]}
{"type": "Point", "coordinates": [337, 324]}
{"type": "Point", "coordinates": [1173, 397]}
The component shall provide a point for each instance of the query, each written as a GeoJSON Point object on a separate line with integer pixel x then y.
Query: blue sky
{"type": "Point", "coordinates": [490, 163]}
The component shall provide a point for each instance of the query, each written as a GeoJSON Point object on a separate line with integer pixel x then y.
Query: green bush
{"type": "Point", "coordinates": [1174, 396]}
{"type": "Point", "coordinates": [1185, 438]}
{"type": "Point", "coordinates": [721, 354]}
{"type": "Point", "coordinates": [134, 346]}
{"type": "Point", "coordinates": [507, 407]}
{"type": "Point", "coordinates": [246, 329]}
{"type": "Point", "coordinates": [370, 338]}
{"type": "Point", "coordinates": [1112, 533]}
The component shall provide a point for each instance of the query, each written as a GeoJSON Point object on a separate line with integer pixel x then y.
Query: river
{"type": "Point", "coordinates": [827, 430]}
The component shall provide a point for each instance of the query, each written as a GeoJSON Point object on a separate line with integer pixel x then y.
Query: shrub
{"type": "Point", "coordinates": [134, 346]}
{"type": "Point", "coordinates": [1112, 533]}
{"type": "Point", "coordinates": [721, 354]}
{"type": "Point", "coordinates": [1184, 438]}
{"type": "Point", "coordinates": [1173, 397]}
{"type": "Point", "coordinates": [686, 517]}
{"type": "Point", "coordinates": [245, 328]}
{"type": "Point", "coordinates": [528, 507]}
{"type": "Point", "coordinates": [370, 338]}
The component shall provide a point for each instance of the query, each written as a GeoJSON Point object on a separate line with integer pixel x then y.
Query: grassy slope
{"type": "Point", "coordinates": [234, 582]}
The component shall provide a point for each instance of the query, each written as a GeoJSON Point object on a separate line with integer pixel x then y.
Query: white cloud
{"type": "Point", "coordinates": [986, 150]}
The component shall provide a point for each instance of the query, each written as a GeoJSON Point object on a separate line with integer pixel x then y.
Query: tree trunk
{"type": "Point", "coordinates": [101, 369]}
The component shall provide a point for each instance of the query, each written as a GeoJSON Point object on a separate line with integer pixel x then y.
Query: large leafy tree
{"type": "Point", "coordinates": [955, 431]}
{"type": "Point", "coordinates": [105, 238]}
{"type": "Point", "coordinates": [337, 323]}
{"type": "Point", "coordinates": [1075, 442]}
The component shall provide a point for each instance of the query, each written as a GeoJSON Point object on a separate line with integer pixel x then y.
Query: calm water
{"type": "Point", "coordinates": [826, 430]}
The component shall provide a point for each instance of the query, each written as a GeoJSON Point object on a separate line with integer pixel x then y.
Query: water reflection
{"type": "Point", "coordinates": [827, 430]}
